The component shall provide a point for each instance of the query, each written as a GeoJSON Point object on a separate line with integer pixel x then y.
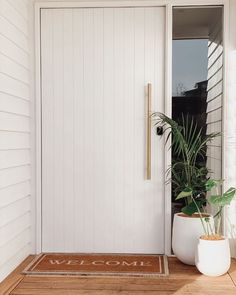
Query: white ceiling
{"type": "Point", "coordinates": [195, 23]}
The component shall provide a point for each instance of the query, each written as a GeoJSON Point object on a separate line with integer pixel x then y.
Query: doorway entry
{"type": "Point", "coordinates": [102, 165]}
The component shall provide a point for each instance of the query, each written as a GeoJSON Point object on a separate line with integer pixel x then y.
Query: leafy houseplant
{"type": "Point", "coordinates": [212, 252]}
{"type": "Point", "coordinates": [188, 170]}
{"type": "Point", "coordinates": [187, 173]}
{"type": "Point", "coordinates": [217, 201]}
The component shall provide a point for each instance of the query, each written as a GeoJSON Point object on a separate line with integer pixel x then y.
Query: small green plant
{"type": "Point", "coordinates": [188, 171]}
{"type": "Point", "coordinates": [217, 201]}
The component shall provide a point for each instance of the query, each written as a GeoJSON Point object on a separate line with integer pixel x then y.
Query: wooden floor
{"type": "Point", "coordinates": [183, 279]}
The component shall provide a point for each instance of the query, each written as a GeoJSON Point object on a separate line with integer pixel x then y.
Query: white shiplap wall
{"type": "Point", "coordinates": [15, 201]}
{"type": "Point", "coordinates": [214, 100]}
{"type": "Point", "coordinates": [230, 126]}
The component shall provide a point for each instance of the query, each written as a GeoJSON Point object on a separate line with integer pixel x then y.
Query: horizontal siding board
{"type": "Point", "coordinates": [214, 85]}
{"type": "Point", "coordinates": [215, 104]}
{"type": "Point", "coordinates": [214, 127]}
{"type": "Point", "coordinates": [11, 32]}
{"type": "Point", "coordinates": [214, 152]}
{"type": "Point", "coordinates": [15, 105]}
{"type": "Point", "coordinates": [13, 211]}
{"type": "Point", "coordinates": [14, 140]}
{"type": "Point", "coordinates": [14, 52]}
{"type": "Point", "coordinates": [14, 193]}
{"type": "Point", "coordinates": [8, 11]}
{"type": "Point", "coordinates": [217, 151]}
{"type": "Point", "coordinates": [214, 117]}
{"type": "Point", "coordinates": [216, 168]}
{"type": "Point", "coordinates": [11, 176]}
{"type": "Point", "coordinates": [14, 260]}
{"type": "Point", "coordinates": [215, 91]}
{"type": "Point", "coordinates": [12, 122]}
{"type": "Point", "coordinates": [15, 188]}
{"type": "Point", "coordinates": [14, 158]}
{"type": "Point", "coordinates": [12, 246]}
{"type": "Point", "coordinates": [211, 47]}
{"type": "Point", "coordinates": [21, 7]}
{"type": "Point", "coordinates": [12, 86]}
{"type": "Point", "coordinates": [216, 65]}
{"type": "Point", "coordinates": [218, 76]}
{"type": "Point", "coordinates": [14, 70]}
{"type": "Point", "coordinates": [218, 60]}
{"type": "Point", "coordinates": [216, 53]}
{"type": "Point", "coordinates": [216, 141]}
{"type": "Point", "coordinates": [14, 228]}
{"type": "Point", "coordinates": [213, 71]}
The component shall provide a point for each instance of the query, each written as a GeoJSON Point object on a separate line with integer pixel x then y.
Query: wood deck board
{"type": "Point", "coordinates": [183, 280]}
{"type": "Point", "coordinates": [232, 272]}
{"type": "Point", "coordinates": [15, 277]}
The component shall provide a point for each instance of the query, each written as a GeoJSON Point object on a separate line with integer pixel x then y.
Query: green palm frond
{"type": "Point", "coordinates": [188, 144]}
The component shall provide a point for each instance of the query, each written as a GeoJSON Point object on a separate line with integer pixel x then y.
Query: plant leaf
{"type": "Point", "coordinates": [223, 200]}
{"type": "Point", "coordinates": [192, 208]}
{"type": "Point", "coordinates": [184, 194]}
{"type": "Point", "coordinates": [189, 144]}
{"type": "Point", "coordinates": [212, 183]}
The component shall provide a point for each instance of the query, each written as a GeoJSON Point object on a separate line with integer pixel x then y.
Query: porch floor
{"type": "Point", "coordinates": [183, 279]}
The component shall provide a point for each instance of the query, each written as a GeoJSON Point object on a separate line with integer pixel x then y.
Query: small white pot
{"type": "Point", "coordinates": [186, 232]}
{"type": "Point", "coordinates": [213, 257]}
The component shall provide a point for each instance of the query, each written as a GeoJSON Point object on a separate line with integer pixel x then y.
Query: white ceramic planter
{"type": "Point", "coordinates": [213, 257]}
{"type": "Point", "coordinates": [186, 232]}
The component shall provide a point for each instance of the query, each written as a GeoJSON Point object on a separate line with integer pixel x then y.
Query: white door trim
{"type": "Point", "coordinates": [168, 86]}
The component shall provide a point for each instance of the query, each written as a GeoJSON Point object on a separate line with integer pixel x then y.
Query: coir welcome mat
{"type": "Point", "coordinates": [99, 264]}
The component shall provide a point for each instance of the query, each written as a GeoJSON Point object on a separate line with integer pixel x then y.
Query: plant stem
{"type": "Point", "coordinates": [200, 214]}
{"type": "Point", "coordinates": [211, 229]}
{"type": "Point", "coordinates": [219, 222]}
{"type": "Point", "coordinates": [207, 225]}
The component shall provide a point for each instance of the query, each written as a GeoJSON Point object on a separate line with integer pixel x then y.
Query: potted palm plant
{"type": "Point", "coordinates": [187, 172]}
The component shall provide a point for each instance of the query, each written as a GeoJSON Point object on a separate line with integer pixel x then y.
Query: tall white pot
{"type": "Point", "coordinates": [186, 232]}
{"type": "Point", "coordinates": [213, 257]}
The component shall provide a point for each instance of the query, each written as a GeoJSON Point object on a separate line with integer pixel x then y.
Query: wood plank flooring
{"type": "Point", "coordinates": [183, 279]}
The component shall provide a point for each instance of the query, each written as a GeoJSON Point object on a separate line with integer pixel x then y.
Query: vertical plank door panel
{"type": "Point", "coordinates": [96, 63]}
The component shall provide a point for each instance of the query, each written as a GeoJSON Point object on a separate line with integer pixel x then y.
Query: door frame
{"type": "Point", "coordinates": [37, 104]}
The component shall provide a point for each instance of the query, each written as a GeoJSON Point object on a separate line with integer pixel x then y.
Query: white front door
{"type": "Point", "coordinates": [96, 63]}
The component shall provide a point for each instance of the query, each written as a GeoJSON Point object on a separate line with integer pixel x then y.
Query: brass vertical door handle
{"type": "Point", "coordinates": [148, 124]}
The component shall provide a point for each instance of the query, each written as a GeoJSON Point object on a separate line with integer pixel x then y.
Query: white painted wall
{"type": "Point", "coordinates": [15, 126]}
{"type": "Point", "coordinates": [230, 125]}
